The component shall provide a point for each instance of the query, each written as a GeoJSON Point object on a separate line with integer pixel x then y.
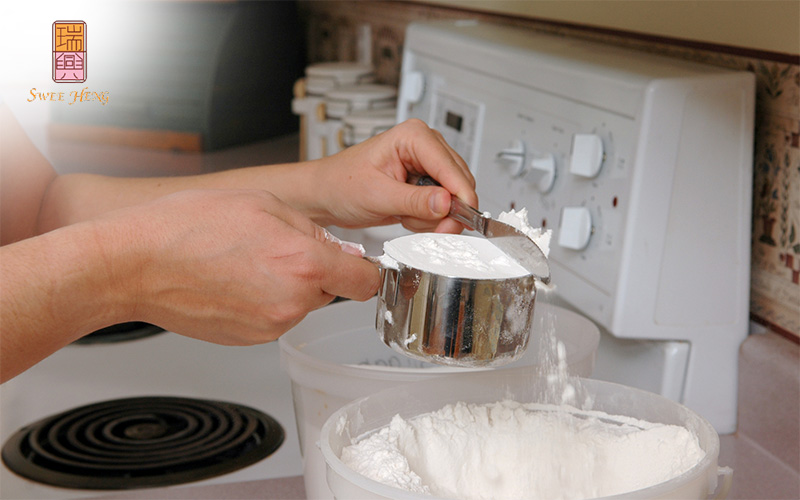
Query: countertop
{"type": "Point", "coordinates": [285, 488]}
{"type": "Point", "coordinates": [757, 475]}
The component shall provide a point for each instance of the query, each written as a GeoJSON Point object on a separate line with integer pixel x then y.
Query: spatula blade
{"type": "Point", "coordinates": [519, 247]}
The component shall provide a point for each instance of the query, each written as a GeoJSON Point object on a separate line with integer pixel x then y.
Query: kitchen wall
{"type": "Point", "coordinates": [775, 285]}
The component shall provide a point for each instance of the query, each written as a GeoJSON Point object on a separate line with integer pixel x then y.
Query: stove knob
{"type": "Point", "coordinates": [513, 158]}
{"type": "Point", "coordinates": [575, 228]}
{"type": "Point", "coordinates": [542, 171]}
{"type": "Point", "coordinates": [412, 86]}
{"type": "Point", "coordinates": [587, 155]}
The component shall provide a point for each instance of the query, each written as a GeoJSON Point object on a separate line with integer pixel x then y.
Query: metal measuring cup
{"type": "Point", "coordinates": [462, 321]}
{"type": "Point", "coordinates": [455, 321]}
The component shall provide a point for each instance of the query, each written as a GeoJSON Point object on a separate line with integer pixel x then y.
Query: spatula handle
{"type": "Point", "coordinates": [467, 215]}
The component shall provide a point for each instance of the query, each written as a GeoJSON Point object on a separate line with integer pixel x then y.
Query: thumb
{"type": "Point", "coordinates": [421, 202]}
{"type": "Point", "coordinates": [325, 236]}
{"type": "Point", "coordinates": [345, 276]}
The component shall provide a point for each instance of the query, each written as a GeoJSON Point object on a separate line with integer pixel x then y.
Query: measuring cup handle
{"type": "Point", "coordinates": [459, 210]}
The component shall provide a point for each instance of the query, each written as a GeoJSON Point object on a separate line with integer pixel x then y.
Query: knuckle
{"type": "Point", "coordinates": [308, 271]}
{"type": "Point", "coordinates": [287, 315]}
{"type": "Point", "coordinates": [415, 123]}
{"type": "Point", "coordinates": [370, 290]}
{"type": "Point", "coordinates": [416, 204]}
{"type": "Point", "coordinates": [416, 127]}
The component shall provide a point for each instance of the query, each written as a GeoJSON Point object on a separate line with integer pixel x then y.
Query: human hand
{"type": "Point", "coordinates": [365, 185]}
{"type": "Point", "coordinates": [230, 267]}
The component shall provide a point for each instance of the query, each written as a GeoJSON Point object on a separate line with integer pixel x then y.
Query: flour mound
{"type": "Point", "coordinates": [512, 451]}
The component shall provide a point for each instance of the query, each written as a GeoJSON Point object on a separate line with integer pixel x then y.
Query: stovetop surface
{"type": "Point", "coordinates": [161, 365]}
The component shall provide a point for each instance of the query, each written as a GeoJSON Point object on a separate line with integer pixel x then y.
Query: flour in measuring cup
{"type": "Point", "coordinates": [463, 256]}
{"type": "Point", "coordinates": [453, 255]}
{"type": "Point", "coordinates": [512, 450]}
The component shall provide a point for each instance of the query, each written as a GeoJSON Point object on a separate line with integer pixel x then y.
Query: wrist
{"type": "Point", "coordinates": [125, 250]}
{"type": "Point", "coordinates": [58, 287]}
{"type": "Point", "coordinates": [311, 190]}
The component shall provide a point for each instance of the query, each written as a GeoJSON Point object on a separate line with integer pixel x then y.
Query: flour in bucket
{"type": "Point", "coordinates": [509, 449]}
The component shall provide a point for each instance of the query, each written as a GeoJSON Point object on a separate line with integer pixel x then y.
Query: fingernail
{"type": "Point", "coordinates": [437, 204]}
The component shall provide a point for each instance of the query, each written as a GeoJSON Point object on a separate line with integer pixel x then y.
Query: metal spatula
{"type": "Point", "coordinates": [509, 239]}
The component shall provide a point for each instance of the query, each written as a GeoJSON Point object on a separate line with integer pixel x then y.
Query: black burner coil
{"type": "Point", "coordinates": [141, 442]}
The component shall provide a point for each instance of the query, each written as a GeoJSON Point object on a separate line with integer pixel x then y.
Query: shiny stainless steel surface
{"type": "Point", "coordinates": [455, 321]}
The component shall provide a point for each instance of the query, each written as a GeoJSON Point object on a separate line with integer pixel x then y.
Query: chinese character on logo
{"type": "Point", "coordinates": [69, 51]}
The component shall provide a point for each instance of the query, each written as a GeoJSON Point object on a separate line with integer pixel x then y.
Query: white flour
{"type": "Point", "coordinates": [519, 220]}
{"type": "Point", "coordinates": [454, 255]}
{"type": "Point", "coordinates": [463, 256]}
{"type": "Point", "coordinates": [512, 451]}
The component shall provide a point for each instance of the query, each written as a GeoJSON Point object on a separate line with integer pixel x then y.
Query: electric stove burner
{"type": "Point", "coordinates": [141, 442]}
{"type": "Point", "coordinates": [120, 333]}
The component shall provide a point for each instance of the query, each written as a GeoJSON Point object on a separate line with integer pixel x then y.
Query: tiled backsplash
{"type": "Point", "coordinates": [775, 294]}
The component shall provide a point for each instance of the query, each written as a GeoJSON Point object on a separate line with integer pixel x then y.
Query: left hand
{"type": "Point", "coordinates": [365, 185]}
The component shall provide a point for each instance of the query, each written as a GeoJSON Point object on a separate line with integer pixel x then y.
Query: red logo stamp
{"type": "Point", "coordinates": [69, 51]}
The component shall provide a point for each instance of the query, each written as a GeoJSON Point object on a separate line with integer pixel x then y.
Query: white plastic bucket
{"type": "Point", "coordinates": [366, 415]}
{"type": "Point", "coordinates": [335, 356]}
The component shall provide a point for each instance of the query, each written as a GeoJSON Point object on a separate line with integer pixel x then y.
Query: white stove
{"type": "Point", "coordinates": [165, 364]}
{"type": "Point", "coordinates": [641, 165]}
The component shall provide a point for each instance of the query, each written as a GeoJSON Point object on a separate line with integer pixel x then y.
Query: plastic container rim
{"type": "Point", "coordinates": [653, 491]}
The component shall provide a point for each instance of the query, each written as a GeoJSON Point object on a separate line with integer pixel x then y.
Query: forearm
{"type": "Point", "coordinates": [54, 289]}
{"type": "Point", "coordinates": [79, 197]}
{"type": "Point", "coordinates": [364, 185]}
{"type": "Point", "coordinates": [235, 267]}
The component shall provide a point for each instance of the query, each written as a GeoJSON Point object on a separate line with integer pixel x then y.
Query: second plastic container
{"type": "Point", "coordinates": [335, 356]}
{"type": "Point", "coordinates": [366, 415]}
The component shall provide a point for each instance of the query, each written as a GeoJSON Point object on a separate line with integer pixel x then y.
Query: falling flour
{"type": "Point", "coordinates": [511, 450]}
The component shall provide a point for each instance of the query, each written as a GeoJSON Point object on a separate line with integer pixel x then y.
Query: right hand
{"type": "Point", "coordinates": [370, 181]}
{"type": "Point", "coordinates": [231, 267]}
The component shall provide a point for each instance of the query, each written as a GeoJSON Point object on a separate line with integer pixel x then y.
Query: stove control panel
{"type": "Point", "coordinates": [619, 153]}
{"type": "Point", "coordinates": [564, 161]}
